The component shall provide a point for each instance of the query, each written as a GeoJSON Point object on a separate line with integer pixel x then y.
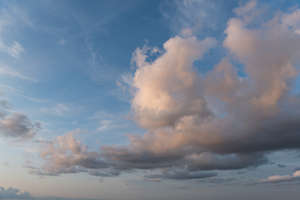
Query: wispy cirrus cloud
{"type": "Point", "coordinates": [10, 72]}
{"type": "Point", "coordinates": [58, 109]}
{"type": "Point", "coordinates": [9, 16]}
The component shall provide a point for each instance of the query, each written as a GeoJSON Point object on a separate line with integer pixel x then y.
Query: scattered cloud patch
{"type": "Point", "coordinates": [18, 125]}
{"type": "Point", "coordinates": [66, 154]}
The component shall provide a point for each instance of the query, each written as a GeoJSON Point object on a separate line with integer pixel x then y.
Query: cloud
{"type": "Point", "coordinates": [62, 42]}
{"type": "Point", "coordinates": [59, 109]}
{"type": "Point", "coordinates": [219, 120]}
{"type": "Point", "coordinates": [194, 16]}
{"type": "Point", "coordinates": [9, 89]}
{"type": "Point", "coordinates": [181, 175]}
{"type": "Point", "coordinates": [13, 193]}
{"type": "Point", "coordinates": [107, 124]}
{"type": "Point", "coordinates": [17, 125]}
{"type": "Point", "coordinates": [66, 154]}
{"type": "Point", "coordinates": [15, 49]}
{"type": "Point", "coordinates": [292, 20]}
{"type": "Point", "coordinates": [167, 88]}
{"type": "Point", "coordinates": [285, 178]}
{"type": "Point", "coordinates": [10, 16]}
{"type": "Point", "coordinates": [197, 122]}
{"type": "Point", "coordinates": [8, 71]}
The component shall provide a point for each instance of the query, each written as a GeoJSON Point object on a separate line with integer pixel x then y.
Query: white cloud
{"type": "Point", "coordinates": [15, 49]}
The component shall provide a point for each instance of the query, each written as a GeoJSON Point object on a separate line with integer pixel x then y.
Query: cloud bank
{"type": "Point", "coordinates": [221, 120]}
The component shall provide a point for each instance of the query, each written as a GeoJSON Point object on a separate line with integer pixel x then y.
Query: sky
{"type": "Point", "coordinates": [145, 100]}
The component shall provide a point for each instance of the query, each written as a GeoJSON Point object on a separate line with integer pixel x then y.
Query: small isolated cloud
{"type": "Point", "coordinates": [106, 124]}
{"type": "Point", "coordinates": [110, 121]}
{"type": "Point", "coordinates": [17, 125]}
{"type": "Point", "coordinates": [62, 42]}
{"type": "Point", "coordinates": [282, 178]}
{"type": "Point", "coordinates": [15, 49]}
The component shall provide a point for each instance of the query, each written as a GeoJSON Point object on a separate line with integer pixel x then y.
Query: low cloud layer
{"type": "Point", "coordinates": [226, 119]}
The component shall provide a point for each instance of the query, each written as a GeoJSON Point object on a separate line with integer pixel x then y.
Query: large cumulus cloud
{"type": "Point", "coordinates": [220, 120]}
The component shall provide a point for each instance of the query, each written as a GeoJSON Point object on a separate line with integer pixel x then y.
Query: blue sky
{"type": "Point", "coordinates": [114, 99]}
